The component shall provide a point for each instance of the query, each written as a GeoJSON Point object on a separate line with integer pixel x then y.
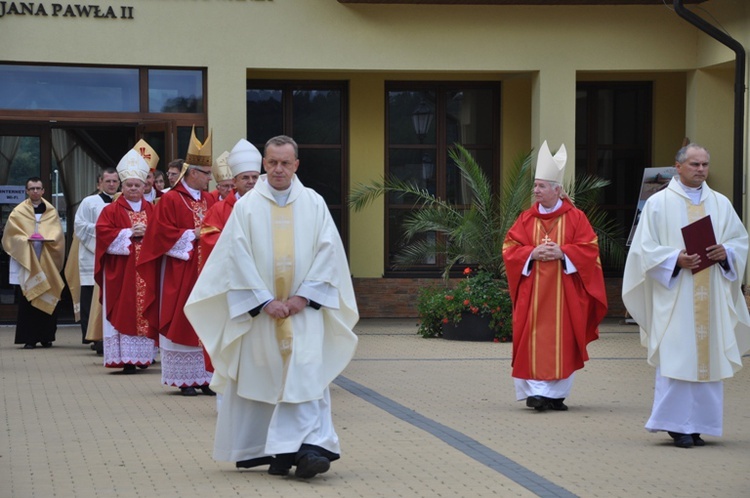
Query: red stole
{"type": "Point", "coordinates": [555, 315]}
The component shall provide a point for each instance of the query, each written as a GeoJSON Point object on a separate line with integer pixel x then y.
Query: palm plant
{"type": "Point", "coordinates": [474, 234]}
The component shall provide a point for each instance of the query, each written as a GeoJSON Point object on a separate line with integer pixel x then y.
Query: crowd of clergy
{"type": "Point", "coordinates": [250, 296]}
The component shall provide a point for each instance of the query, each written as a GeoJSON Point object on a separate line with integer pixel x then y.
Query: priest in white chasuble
{"type": "Point", "coordinates": [275, 307]}
{"type": "Point", "coordinates": [695, 324]}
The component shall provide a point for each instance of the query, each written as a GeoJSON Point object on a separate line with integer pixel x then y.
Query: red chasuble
{"type": "Point", "coordinates": [555, 315]}
{"type": "Point", "coordinates": [214, 222]}
{"type": "Point", "coordinates": [214, 196]}
{"type": "Point", "coordinates": [175, 213]}
{"type": "Point", "coordinates": [124, 285]}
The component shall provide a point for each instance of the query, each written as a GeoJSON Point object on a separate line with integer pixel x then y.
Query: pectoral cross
{"type": "Point", "coordinates": [546, 239]}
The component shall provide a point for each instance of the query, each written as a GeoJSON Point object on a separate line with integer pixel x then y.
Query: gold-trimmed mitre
{"type": "Point", "coordinates": [199, 154]}
{"type": "Point", "coordinates": [221, 169]}
{"type": "Point", "coordinates": [147, 153]}
{"type": "Point", "coordinates": [132, 165]}
{"type": "Point", "coordinates": [548, 167]}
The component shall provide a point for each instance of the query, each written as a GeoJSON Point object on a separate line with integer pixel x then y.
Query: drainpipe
{"type": "Point", "coordinates": [739, 94]}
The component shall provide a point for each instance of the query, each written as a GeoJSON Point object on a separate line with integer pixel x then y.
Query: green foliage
{"type": "Point", "coordinates": [479, 293]}
{"type": "Point", "coordinates": [474, 235]}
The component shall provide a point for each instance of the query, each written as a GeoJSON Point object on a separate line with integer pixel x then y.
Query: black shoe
{"type": "Point", "coordinates": [277, 468]}
{"type": "Point", "coordinates": [128, 369]}
{"type": "Point", "coordinates": [254, 462]}
{"type": "Point", "coordinates": [188, 391]}
{"type": "Point", "coordinates": [557, 404]}
{"type": "Point", "coordinates": [538, 403]}
{"type": "Point", "coordinates": [93, 345]}
{"type": "Point", "coordinates": [698, 440]}
{"type": "Point", "coordinates": [29, 346]}
{"type": "Point", "coordinates": [207, 390]}
{"type": "Point", "coordinates": [46, 344]}
{"type": "Point", "coordinates": [682, 440]}
{"type": "Point", "coordinates": [142, 367]}
{"type": "Point", "coordinates": [310, 465]}
{"type": "Point", "coordinates": [99, 348]}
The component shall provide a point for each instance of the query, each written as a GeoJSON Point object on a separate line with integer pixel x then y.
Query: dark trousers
{"type": "Point", "coordinates": [34, 325]}
{"type": "Point", "coordinates": [87, 292]}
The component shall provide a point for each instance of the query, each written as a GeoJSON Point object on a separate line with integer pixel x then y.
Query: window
{"type": "Point", "coordinates": [314, 114]}
{"type": "Point", "coordinates": [424, 120]}
{"type": "Point", "coordinates": [175, 90]}
{"type": "Point", "coordinates": [613, 141]}
{"type": "Point", "coordinates": [67, 88]}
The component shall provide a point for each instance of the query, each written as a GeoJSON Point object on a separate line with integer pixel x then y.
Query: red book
{"type": "Point", "coordinates": [698, 236]}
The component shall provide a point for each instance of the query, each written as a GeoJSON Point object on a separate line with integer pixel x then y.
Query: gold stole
{"type": "Point", "coordinates": [701, 301]}
{"type": "Point", "coordinates": [282, 220]}
{"type": "Point", "coordinates": [141, 324]}
{"type": "Point", "coordinates": [545, 346]}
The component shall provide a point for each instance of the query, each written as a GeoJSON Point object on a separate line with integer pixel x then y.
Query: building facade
{"type": "Point", "coordinates": [368, 89]}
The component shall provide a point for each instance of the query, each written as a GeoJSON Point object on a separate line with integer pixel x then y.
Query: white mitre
{"type": "Point", "coordinates": [551, 168]}
{"type": "Point", "coordinates": [132, 165]}
{"type": "Point", "coordinates": [244, 157]}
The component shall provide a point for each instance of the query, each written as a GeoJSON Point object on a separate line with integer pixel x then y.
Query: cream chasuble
{"type": "Point", "coordinates": [269, 250]}
{"type": "Point", "coordinates": [697, 326]}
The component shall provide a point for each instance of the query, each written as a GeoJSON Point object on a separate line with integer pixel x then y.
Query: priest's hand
{"type": "Point", "coordinates": [716, 252]}
{"type": "Point", "coordinates": [139, 230]}
{"type": "Point", "coordinates": [295, 304]}
{"type": "Point", "coordinates": [277, 309]}
{"type": "Point", "coordinates": [688, 261]}
{"type": "Point", "coordinates": [549, 251]}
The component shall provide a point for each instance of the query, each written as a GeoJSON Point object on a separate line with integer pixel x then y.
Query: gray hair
{"type": "Point", "coordinates": [281, 140]}
{"type": "Point", "coordinates": [683, 152]}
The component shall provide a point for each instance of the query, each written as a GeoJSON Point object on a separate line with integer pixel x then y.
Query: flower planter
{"type": "Point", "coordinates": [471, 328]}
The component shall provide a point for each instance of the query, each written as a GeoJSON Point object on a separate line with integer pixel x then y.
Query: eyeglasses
{"type": "Point", "coordinates": [202, 171]}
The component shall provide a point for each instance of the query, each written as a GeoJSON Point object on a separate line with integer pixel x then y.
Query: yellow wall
{"type": "Point", "coordinates": [536, 53]}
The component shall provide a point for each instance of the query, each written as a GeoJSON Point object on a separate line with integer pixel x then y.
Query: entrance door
{"type": "Point", "coordinates": [67, 157]}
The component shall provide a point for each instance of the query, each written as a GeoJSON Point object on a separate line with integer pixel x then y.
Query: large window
{"type": "Point", "coordinates": [175, 90]}
{"type": "Point", "coordinates": [424, 121]}
{"type": "Point", "coordinates": [613, 141]}
{"type": "Point", "coordinates": [67, 88]}
{"type": "Point", "coordinates": [26, 87]}
{"type": "Point", "coordinates": [314, 114]}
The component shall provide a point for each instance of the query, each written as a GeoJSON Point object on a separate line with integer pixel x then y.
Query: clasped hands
{"type": "Point", "coordinates": [139, 230]}
{"type": "Point", "coordinates": [286, 308]}
{"type": "Point", "coordinates": [548, 251]}
{"type": "Point", "coordinates": [689, 261]}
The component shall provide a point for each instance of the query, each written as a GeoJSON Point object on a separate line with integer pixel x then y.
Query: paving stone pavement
{"type": "Point", "coordinates": [416, 418]}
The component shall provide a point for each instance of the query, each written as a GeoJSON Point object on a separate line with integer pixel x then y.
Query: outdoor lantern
{"type": "Point", "coordinates": [421, 118]}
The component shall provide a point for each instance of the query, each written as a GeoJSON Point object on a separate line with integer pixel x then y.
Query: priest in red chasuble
{"type": "Point", "coordinates": [119, 242]}
{"type": "Point", "coordinates": [556, 283]}
{"type": "Point", "coordinates": [172, 254]}
{"type": "Point", "coordinates": [243, 163]}
{"type": "Point", "coordinates": [223, 178]}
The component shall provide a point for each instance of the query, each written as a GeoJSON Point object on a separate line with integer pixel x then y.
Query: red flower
{"type": "Point", "coordinates": [449, 298]}
{"type": "Point", "coordinates": [467, 271]}
{"type": "Point", "coordinates": [466, 302]}
{"type": "Point", "coordinates": [445, 320]}
{"type": "Point", "coordinates": [474, 310]}
{"type": "Point", "coordinates": [496, 340]}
